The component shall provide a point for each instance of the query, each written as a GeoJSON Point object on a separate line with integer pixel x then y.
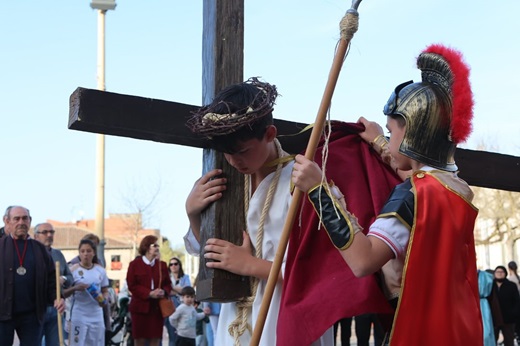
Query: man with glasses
{"type": "Point", "coordinates": [44, 233]}
{"type": "Point", "coordinates": [27, 281]}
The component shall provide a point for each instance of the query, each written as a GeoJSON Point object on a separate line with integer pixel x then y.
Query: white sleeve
{"type": "Point", "coordinates": [392, 232]}
{"type": "Point", "coordinates": [191, 244]}
{"type": "Point", "coordinates": [174, 318]}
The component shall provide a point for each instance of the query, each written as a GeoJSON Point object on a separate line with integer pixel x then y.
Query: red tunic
{"type": "Point", "coordinates": [439, 301]}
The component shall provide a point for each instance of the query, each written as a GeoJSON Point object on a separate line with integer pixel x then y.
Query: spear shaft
{"type": "Point", "coordinates": [348, 26]}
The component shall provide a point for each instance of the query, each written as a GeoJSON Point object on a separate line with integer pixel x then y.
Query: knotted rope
{"type": "Point", "coordinates": [244, 307]}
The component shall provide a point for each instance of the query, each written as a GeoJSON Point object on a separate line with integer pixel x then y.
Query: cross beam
{"type": "Point", "coordinates": [122, 115]}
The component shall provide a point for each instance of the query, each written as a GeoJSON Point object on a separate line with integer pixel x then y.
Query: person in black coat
{"type": "Point", "coordinates": [27, 281]}
{"type": "Point", "coordinates": [509, 300]}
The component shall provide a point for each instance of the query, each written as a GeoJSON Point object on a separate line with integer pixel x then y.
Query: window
{"type": "Point", "coordinates": [115, 262]}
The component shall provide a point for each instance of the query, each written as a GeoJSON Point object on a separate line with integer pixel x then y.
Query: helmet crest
{"type": "Point", "coordinates": [460, 89]}
{"type": "Point", "coordinates": [437, 110]}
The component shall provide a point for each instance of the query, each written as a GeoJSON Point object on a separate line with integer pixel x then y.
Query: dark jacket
{"type": "Point", "coordinates": [45, 279]}
{"type": "Point", "coordinates": [509, 300]}
{"type": "Point", "coordinates": [57, 256]}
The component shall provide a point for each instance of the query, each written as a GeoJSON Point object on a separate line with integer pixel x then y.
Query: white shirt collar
{"type": "Point", "coordinates": [148, 262]}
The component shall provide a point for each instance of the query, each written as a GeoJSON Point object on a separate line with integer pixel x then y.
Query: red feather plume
{"type": "Point", "coordinates": [462, 113]}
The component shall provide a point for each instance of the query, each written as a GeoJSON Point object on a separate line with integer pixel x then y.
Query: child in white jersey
{"type": "Point", "coordinates": [89, 295]}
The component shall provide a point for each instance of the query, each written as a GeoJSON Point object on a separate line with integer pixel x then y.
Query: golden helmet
{"type": "Point", "coordinates": [437, 111]}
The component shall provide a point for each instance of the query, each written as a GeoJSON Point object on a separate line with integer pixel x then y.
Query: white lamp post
{"type": "Point", "coordinates": [102, 6]}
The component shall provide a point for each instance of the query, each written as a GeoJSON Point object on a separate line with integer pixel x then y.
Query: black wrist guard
{"type": "Point", "coordinates": [339, 223]}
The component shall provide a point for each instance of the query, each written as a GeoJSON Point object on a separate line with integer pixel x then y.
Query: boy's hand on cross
{"type": "Point", "coordinates": [206, 190]}
{"type": "Point", "coordinates": [228, 256]}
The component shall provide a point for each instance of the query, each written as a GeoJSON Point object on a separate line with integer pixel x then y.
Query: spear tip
{"type": "Point", "coordinates": [354, 7]}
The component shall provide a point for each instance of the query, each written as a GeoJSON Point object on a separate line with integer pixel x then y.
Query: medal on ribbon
{"type": "Point", "coordinates": [21, 269]}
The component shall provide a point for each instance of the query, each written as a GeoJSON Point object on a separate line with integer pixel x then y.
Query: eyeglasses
{"type": "Point", "coordinates": [154, 245]}
{"type": "Point", "coordinates": [46, 232]}
{"type": "Point", "coordinates": [174, 264]}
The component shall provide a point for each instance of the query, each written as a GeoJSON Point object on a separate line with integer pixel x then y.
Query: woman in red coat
{"type": "Point", "coordinates": [143, 283]}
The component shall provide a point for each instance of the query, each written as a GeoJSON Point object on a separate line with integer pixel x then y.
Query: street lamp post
{"type": "Point", "coordinates": [102, 6]}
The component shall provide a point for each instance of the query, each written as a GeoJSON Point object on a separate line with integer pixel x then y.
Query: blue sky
{"type": "Point", "coordinates": [153, 49]}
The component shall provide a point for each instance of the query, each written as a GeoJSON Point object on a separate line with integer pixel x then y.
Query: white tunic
{"type": "Point", "coordinates": [273, 226]}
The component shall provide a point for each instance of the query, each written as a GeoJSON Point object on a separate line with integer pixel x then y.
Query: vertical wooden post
{"type": "Point", "coordinates": [223, 61]}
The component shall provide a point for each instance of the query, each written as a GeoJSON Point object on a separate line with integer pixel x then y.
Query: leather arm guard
{"type": "Point", "coordinates": [341, 226]}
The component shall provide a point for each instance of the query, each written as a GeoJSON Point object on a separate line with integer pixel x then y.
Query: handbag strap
{"type": "Point", "coordinates": [160, 274]}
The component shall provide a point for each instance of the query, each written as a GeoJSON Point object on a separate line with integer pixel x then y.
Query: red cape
{"type": "Point", "coordinates": [319, 288]}
{"type": "Point", "coordinates": [439, 302]}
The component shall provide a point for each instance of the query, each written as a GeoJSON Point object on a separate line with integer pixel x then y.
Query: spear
{"type": "Point", "coordinates": [348, 27]}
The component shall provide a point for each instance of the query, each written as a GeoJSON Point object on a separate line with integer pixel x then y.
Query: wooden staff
{"type": "Point", "coordinates": [58, 296]}
{"type": "Point", "coordinates": [348, 26]}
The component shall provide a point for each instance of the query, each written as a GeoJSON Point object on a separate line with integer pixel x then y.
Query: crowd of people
{"type": "Point", "coordinates": [499, 291]}
{"type": "Point", "coordinates": [30, 306]}
{"type": "Point", "coordinates": [404, 250]}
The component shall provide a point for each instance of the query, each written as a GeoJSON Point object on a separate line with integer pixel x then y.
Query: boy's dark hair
{"type": "Point", "coordinates": [188, 291]}
{"type": "Point", "coordinates": [238, 113]}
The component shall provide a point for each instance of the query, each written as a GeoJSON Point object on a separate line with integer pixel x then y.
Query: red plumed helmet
{"type": "Point", "coordinates": [437, 111]}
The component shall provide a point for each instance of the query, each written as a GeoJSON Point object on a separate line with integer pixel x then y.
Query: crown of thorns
{"type": "Point", "coordinates": [207, 122]}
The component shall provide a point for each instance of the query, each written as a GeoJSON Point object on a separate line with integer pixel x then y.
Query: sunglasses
{"type": "Point", "coordinates": [154, 245]}
{"type": "Point", "coordinates": [174, 264]}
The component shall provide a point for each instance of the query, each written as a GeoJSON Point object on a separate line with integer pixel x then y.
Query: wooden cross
{"type": "Point", "coordinates": [164, 121]}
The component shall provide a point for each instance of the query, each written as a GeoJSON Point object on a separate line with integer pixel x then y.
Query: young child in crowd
{"type": "Point", "coordinates": [185, 318]}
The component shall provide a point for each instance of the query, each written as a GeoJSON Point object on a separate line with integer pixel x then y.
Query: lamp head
{"type": "Point", "coordinates": [103, 5]}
